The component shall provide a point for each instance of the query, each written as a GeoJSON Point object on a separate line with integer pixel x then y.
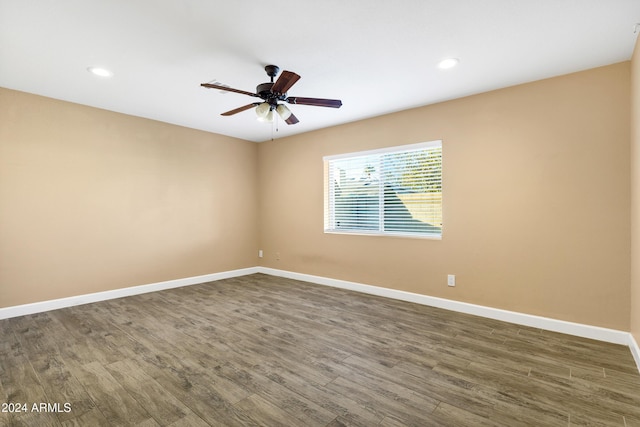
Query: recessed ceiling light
{"type": "Point", "coordinates": [448, 63]}
{"type": "Point", "coordinates": [99, 71]}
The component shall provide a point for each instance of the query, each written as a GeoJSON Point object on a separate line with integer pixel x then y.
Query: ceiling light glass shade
{"type": "Point", "coordinates": [266, 118]}
{"type": "Point", "coordinates": [284, 112]}
{"type": "Point", "coordinates": [448, 63]}
{"type": "Point", "coordinates": [263, 109]}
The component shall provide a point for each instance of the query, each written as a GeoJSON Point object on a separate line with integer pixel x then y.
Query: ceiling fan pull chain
{"type": "Point", "coordinates": [274, 123]}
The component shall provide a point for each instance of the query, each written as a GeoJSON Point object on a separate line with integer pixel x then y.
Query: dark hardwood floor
{"type": "Point", "coordinates": [266, 351]}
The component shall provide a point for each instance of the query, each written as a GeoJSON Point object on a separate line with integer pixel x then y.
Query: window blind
{"type": "Point", "coordinates": [389, 191]}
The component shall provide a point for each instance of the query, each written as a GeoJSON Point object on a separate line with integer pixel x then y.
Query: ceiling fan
{"type": "Point", "coordinates": [272, 94]}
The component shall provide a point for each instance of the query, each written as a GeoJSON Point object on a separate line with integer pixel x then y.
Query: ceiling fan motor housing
{"type": "Point", "coordinates": [264, 90]}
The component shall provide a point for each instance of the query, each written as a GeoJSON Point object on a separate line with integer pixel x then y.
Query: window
{"type": "Point", "coordinates": [394, 191]}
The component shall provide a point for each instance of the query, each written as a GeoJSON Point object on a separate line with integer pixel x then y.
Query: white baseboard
{"type": "Point", "coordinates": [39, 307]}
{"type": "Point", "coordinates": [635, 350]}
{"type": "Point", "coordinates": [577, 329]}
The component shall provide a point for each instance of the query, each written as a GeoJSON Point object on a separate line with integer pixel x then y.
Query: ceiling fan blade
{"type": "Point", "coordinates": [317, 102]}
{"type": "Point", "coordinates": [292, 120]}
{"type": "Point", "coordinates": [285, 81]}
{"type": "Point", "coordinates": [230, 89]}
{"type": "Point", "coordinates": [240, 109]}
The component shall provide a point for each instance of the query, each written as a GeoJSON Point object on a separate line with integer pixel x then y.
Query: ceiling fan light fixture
{"type": "Point", "coordinates": [448, 63]}
{"type": "Point", "coordinates": [267, 118]}
{"type": "Point", "coordinates": [283, 111]}
{"type": "Point", "coordinates": [263, 109]}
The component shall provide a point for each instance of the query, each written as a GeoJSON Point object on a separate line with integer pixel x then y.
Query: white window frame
{"type": "Point", "coordinates": [329, 194]}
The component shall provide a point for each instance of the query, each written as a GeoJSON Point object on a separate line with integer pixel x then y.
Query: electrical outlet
{"type": "Point", "coordinates": [260, 253]}
{"type": "Point", "coordinates": [451, 280]}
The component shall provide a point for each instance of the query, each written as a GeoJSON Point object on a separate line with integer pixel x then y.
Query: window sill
{"type": "Point", "coordinates": [387, 234]}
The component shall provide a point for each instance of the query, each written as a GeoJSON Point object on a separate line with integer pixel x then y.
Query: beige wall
{"type": "Point", "coordinates": [536, 200]}
{"type": "Point", "coordinates": [635, 193]}
{"type": "Point", "coordinates": [92, 200]}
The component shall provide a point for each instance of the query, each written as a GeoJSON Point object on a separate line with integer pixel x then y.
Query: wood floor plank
{"type": "Point", "coordinates": [150, 422]}
{"type": "Point", "coordinates": [452, 415]}
{"type": "Point", "coordinates": [271, 388]}
{"type": "Point", "coordinates": [261, 350]}
{"type": "Point", "coordinates": [366, 373]}
{"type": "Point", "coordinates": [60, 386]}
{"type": "Point", "coordinates": [378, 403]}
{"type": "Point", "coordinates": [191, 420]}
{"type": "Point", "coordinates": [187, 357]}
{"type": "Point", "coordinates": [198, 397]}
{"type": "Point", "coordinates": [630, 421]}
{"type": "Point", "coordinates": [93, 417]}
{"type": "Point", "coordinates": [555, 398]}
{"type": "Point", "coordinates": [20, 383]}
{"type": "Point", "coordinates": [348, 411]}
{"type": "Point", "coordinates": [115, 403]}
{"type": "Point", "coordinates": [163, 407]}
{"type": "Point", "coordinates": [265, 413]}
{"type": "Point", "coordinates": [86, 338]}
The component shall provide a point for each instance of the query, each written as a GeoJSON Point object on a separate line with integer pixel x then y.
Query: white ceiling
{"type": "Point", "coordinates": [376, 56]}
